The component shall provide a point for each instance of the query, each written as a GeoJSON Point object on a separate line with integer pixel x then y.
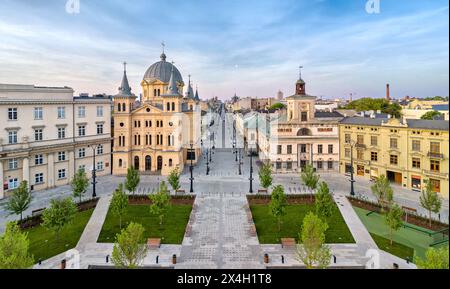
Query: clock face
{"type": "Point", "coordinates": [171, 123]}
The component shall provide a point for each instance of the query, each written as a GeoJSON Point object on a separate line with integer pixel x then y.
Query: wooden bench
{"type": "Point", "coordinates": [37, 212]}
{"type": "Point", "coordinates": [154, 243]}
{"type": "Point", "coordinates": [262, 192]}
{"type": "Point", "coordinates": [253, 230]}
{"type": "Point", "coordinates": [288, 242]}
{"type": "Point", "coordinates": [182, 192]}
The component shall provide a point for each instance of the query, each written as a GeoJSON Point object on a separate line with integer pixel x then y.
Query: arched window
{"type": "Point", "coordinates": [170, 162]}
{"type": "Point", "coordinates": [304, 132]}
{"type": "Point", "coordinates": [136, 162]}
{"type": "Point", "coordinates": [173, 106]}
{"type": "Point", "coordinates": [150, 139]}
{"type": "Point", "coordinates": [154, 92]}
{"type": "Point", "coordinates": [118, 107]}
{"type": "Point", "coordinates": [168, 106]}
{"type": "Point", "coordinates": [169, 143]}
{"type": "Point", "coordinates": [120, 163]}
{"type": "Point", "coordinates": [124, 108]}
{"type": "Point", "coordinates": [159, 92]}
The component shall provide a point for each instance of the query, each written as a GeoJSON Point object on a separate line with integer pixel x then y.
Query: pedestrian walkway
{"type": "Point", "coordinates": [220, 236]}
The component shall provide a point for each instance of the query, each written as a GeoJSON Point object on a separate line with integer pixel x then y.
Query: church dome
{"type": "Point", "coordinates": [161, 70]}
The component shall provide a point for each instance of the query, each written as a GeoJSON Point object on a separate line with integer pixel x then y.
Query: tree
{"type": "Point", "coordinates": [119, 203]}
{"type": "Point", "coordinates": [80, 184]}
{"type": "Point", "coordinates": [160, 202]}
{"type": "Point", "coordinates": [20, 200]}
{"type": "Point", "coordinates": [14, 246]}
{"type": "Point", "coordinates": [60, 214]}
{"type": "Point", "coordinates": [265, 175]}
{"type": "Point", "coordinates": [430, 200]}
{"type": "Point", "coordinates": [383, 192]}
{"type": "Point", "coordinates": [313, 252]}
{"type": "Point", "coordinates": [130, 249]}
{"type": "Point", "coordinates": [431, 115]}
{"type": "Point", "coordinates": [309, 178]}
{"type": "Point", "coordinates": [324, 201]}
{"type": "Point", "coordinates": [278, 204]}
{"type": "Point", "coordinates": [277, 106]}
{"type": "Point", "coordinates": [375, 104]}
{"type": "Point", "coordinates": [174, 179]}
{"type": "Point", "coordinates": [434, 259]}
{"type": "Point", "coordinates": [394, 220]}
{"type": "Point", "coordinates": [132, 180]}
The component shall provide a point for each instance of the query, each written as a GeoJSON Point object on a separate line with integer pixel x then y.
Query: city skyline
{"type": "Point", "coordinates": [253, 48]}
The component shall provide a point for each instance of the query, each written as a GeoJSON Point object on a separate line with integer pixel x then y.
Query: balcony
{"type": "Point", "coordinates": [435, 174]}
{"type": "Point", "coordinates": [435, 155]}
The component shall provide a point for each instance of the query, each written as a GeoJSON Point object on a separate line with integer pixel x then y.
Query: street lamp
{"type": "Point", "coordinates": [240, 162]}
{"type": "Point", "coordinates": [192, 170]}
{"type": "Point", "coordinates": [94, 170]}
{"type": "Point", "coordinates": [251, 172]}
{"type": "Point", "coordinates": [207, 162]}
{"type": "Point", "coordinates": [352, 180]}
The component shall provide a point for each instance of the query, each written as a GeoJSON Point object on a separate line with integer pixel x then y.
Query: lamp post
{"type": "Point", "coordinates": [352, 180]}
{"type": "Point", "coordinates": [94, 171]}
{"type": "Point", "coordinates": [207, 162]}
{"type": "Point", "coordinates": [251, 172]}
{"type": "Point", "coordinates": [192, 171]}
{"type": "Point", "coordinates": [240, 162]}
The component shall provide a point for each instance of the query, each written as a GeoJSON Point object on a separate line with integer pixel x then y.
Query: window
{"type": "Point", "coordinates": [303, 148]}
{"type": "Point", "coordinates": [435, 147]}
{"type": "Point", "coordinates": [416, 145]}
{"type": "Point", "coordinates": [360, 139]}
{"type": "Point", "coordinates": [360, 154]}
{"type": "Point", "coordinates": [81, 130]}
{"type": "Point", "coordinates": [81, 153]}
{"type": "Point", "coordinates": [100, 166]}
{"type": "Point", "coordinates": [61, 174]}
{"type": "Point", "coordinates": [61, 132]}
{"type": "Point", "coordinates": [12, 137]}
{"type": "Point", "coordinates": [289, 149]}
{"type": "Point", "coordinates": [173, 106]}
{"type": "Point", "coordinates": [304, 116]}
{"type": "Point", "coordinates": [61, 156]}
{"type": "Point", "coordinates": [120, 163]}
{"type": "Point", "coordinates": [99, 111]}
{"type": "Point", "coordinates": [374, 141]}
{"type": "Point", "coordinates": [435, 166]}
{"type": "Point", "coordinates": [393, 143]}
{"type": "Point", "coordinates": [119, 107]}
{"type": "Point", "coordinates": [393, 159]}
{"type": "Point", "coordinates": [374, 156]}
{"type": "Point", "coordinates": [38, 160]}
{"type": "Point", "coordinates": [347, 152]}
{"type": "Point", "coordinates": [168, 106]}
{"type": "Point", "coordinates": [82, 167]}
{"type": "Point", "coordinates": [319, 165]}
{"type": "Point", "coordinates": [278, 165]}
{"type": "Point", "coordinates": [320, 149]}
{"type": "Point", "coordinates": [81, 112]}
{"type": "Point", "coordinates": [289, 165]}
{"type": "Point", "coordinates": [170, 162]}
{"type": "Point", "coordinates": [100, 150]}
{"type": "Point", "coordinates": [39, 178]}
{"type": "Point", "coordinates": [99, 128]}
{"type": "Point", "coordinates": [416, 163]}
{"type": "Point", "coordinates": [279, 149]}
{"type": "Point", "coordinates": [13, 164]}
{"type": "Point", "coordinates": [435, 185]}
{"type": "Point", "coordinates": [38, 113]}
{"type": "Point", "coordinates": [330, 165]}
{"type": "Point", "coordinates": [12, 113]}
{"type": "Point", "coordinates": [61, 112]}
{"type": "Point", "coordinates": [347, 138]}
{"type": "Point", "coordinates": [330, 149]}
{"type": "Point", "coordinates": [13, 183]}
{"type": "Point", "coordinates": [38, 134]}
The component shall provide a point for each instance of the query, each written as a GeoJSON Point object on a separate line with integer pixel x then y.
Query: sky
{"type": "Point", "coordinates": [251, 47]}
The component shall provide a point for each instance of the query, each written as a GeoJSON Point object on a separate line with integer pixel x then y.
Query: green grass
{"type": "Point", "coordinates": [267, 226]}
{"type": "Point", "coordinates": [396, 249]}
{"type": "Point", "coordinates": [172, 231]}
{"type": "Point", "coordinates": [375, 224]}
{"type": "Point", "coordinates": [43, 243]}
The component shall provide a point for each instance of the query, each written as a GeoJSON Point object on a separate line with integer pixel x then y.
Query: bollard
{"type": "Point", "coordinates": [174, 259]}
{"type": "Point", "coordinates": [266, 258]}
{"type": "Point", "coordinates": [40, 262]}
{"type": "Point", "coordinates": [395, 265]}
{"type": "Point", "coordinates": [282, 259]}
{"type": "Point", "coordinates": [334, 259]}
{"type": "Point", "coordinates": [107, 259]}
{"type": "Point", "coordinates": [157, 259]}
{"type": "Point", "coordinates": [63, 264]}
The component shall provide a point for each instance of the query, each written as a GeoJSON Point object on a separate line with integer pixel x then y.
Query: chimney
{"type": "Point", "coordinates": [388, 92]}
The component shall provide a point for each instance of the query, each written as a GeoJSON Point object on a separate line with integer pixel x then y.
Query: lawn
{"type": "Point", "coordinates": [375, 224]}
{"type": "Point", "coordinates": [172, 231]}
{"type": "Point", "coordinates": [396, 249]}
{"type": "Point", "coordinates": [43, 243]}
{"type": "Point", "coordinates": [267, 226]}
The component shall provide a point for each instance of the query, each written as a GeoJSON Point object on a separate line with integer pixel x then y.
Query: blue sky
{"type": "Point", "coordinates": [252, 46]}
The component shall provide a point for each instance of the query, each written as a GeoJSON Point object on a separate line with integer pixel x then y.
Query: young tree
{"type": "Point", "coordinates": [394, 220]}
{"type": "Point", "coordinates": [431, 115]}
{"type": "Point", "coordinates": [119, 203]}
{"type": "Point", "coordinates": [265, 175]}
{"type": "Point", "coordinates": [324, 201]}
{"type": "Point", "coordinates": [278, 204]}
{"type": "Point", "coordinates": [60, 214]}
{"type": "Point", "coordinates": [434, 259]}
{"type": "Point", "coordinates": [383, 192]}
{"type": "Point", "coordinates": [14, 249]}
{"type": "Point", "coordinates": [79, 184]}
{"type": "Point", "coordinates": [20, 200]}
{"type": "Point", "coordinates": [160, 202]}
{"type": "Point", "coordinates": [430, 200]}
{"type": "Point", "coordinates": [130, 248]}
{"type": "Point", "coordinates": [310, 178]}
{"type": "Point", "coordinates": [313, 252]}
{"type": "Point", "coordinates": [132, 180]}
{"type": "Point", "coordinates": [174, 179]}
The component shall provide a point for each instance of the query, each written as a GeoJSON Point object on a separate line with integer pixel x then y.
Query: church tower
{"type": "Point", "coordinates": [300, 86]}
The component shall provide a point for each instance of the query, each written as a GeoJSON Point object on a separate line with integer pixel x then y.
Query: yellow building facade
{"type": "Point", "coordinates": [408, 152]}
{"type": "Point", "coordinates": [162, 131]}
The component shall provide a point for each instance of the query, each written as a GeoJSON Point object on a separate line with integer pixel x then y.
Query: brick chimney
{"type": "Point", "coordinates": [388, 92]}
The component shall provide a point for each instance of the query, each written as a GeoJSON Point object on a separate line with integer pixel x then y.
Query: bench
{"type": "Point", "coordinates": [253, 230]}
{"type": "Point", "coordinates": [37, 212]}
{"type": "Point", "coordinates": [188, 231]}
{"type": "Point", "coordinates": [288, 242]}
{"type": "Point", "coordinates": [154, 243]}
{"type": "Point", "coordinates": [262, 192]}
{"type": "Point", "coordinates": [182, 192]}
